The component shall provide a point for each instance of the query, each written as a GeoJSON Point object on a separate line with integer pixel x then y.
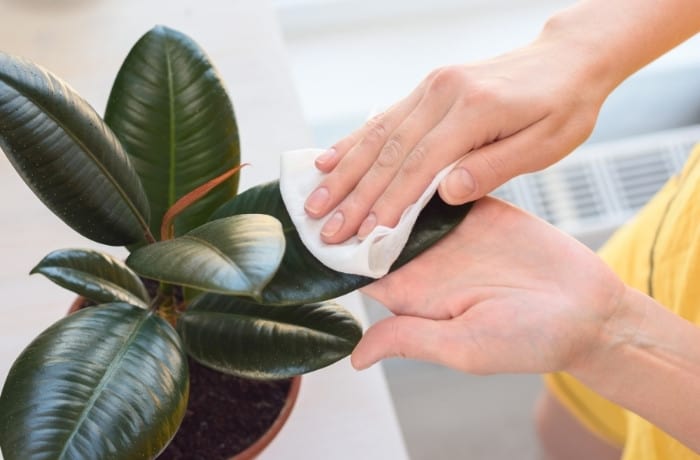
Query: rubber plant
{"type": "Point", "coordinates": [235, 288]}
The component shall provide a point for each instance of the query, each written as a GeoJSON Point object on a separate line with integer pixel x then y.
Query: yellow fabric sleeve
{"type": "Point", "coordinates": [601, 417]}
{"type": "Point", "coordinates": [658, 252]}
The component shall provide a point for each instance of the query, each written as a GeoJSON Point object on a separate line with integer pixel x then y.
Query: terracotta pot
{"type": "Point", "coordinates": [258, 446]}
{"type": "Point", "coordinates": [263, 441]}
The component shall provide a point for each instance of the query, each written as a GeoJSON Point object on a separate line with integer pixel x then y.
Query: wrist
{"type": "Point", "coordinates": [642, 341]}
{"type": "Point", "coordinates": [647, 360]}
{"type": "Point", "coordinates": [587, 46]}
{"type": "Point", "coordinates": [615, 39]}
{"type": "Point", "coordinates": [617, 337]}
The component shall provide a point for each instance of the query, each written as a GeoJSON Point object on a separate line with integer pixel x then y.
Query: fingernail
{"type": "Point", "coordinates": [459, 183]}
{"type": "Point", "coordinates": [326, 156]}
{"type": "Point", "coordinates": [317, 200]}
{"type": "Point", "coordinates": [333, 224]}
{"type": "Point", "coordinates": [367, 226]}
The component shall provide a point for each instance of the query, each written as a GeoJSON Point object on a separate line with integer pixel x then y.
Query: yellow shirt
{"type": "Point", "coordinates": [658, 252]}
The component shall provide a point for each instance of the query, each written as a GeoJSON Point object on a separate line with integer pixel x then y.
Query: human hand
{"type": "Point", "coordinates": [503, 292]}
{"type": "Point", "coordinates": [516, 113]}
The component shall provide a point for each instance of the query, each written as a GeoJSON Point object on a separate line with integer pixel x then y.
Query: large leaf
{"type": "Point", "coordinates": [171, 111]}
{"type": "Point", "coordinates": [109, 382]}
{"type": "Point", "coordinates": [95, 275]}
{"type": "Point", "coordinates": [301, 278]}
{"type": "Point", "coordinates": [261, 341]}
{"type": "Point", "coordinates": [235, 255]}
{"type": "Point", "coordinates": [68, 156]}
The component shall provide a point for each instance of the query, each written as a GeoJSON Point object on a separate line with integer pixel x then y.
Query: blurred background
{"type": "Point", "coordinates": [347, 59]}
{"type": "Point", "coordinates": [350, 58]}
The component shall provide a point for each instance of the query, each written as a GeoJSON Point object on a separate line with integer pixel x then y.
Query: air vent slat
{"type": "Point", "coordinates": [602, 184]}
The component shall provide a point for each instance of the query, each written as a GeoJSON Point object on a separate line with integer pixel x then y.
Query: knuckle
{"type": "Point", "coordinates": [397, 340]}
{"type": "Point", "coordinates": [391, 153]}
{"type": "Point", "coordinates": [427, 82]}
{"type": "Point", "coordinates": [434, 73]}
{"type": "Point", "coordinates": [445, 79]}
{"type": "Point", "coordinates": [416, 161]}
{"type": "Point", "coordinates": [376, 130]}
{"type": "Point", "coordinates": [495, 166]}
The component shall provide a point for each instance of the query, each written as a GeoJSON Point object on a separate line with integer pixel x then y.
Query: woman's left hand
{"type": "Point", "coordinates": [503, 292]}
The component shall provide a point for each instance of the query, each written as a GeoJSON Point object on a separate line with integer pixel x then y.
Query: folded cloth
{"type": "Point", "coordinates": [372, 256]}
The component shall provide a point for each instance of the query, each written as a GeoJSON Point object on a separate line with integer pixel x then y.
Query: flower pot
{"type": "Point", "coordinates": [258, 446]}
{"type": "Point", "coordinates": [209, 429]}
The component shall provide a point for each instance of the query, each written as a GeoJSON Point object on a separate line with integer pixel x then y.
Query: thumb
{"type": "Point", "coordinates": [404, 336]}
{"type": "Point", "coordinates": [486, 168]}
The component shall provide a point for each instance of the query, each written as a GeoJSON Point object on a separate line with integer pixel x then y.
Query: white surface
{"type": "Point", "coordinates": [372, 256]}
{"type": "Point", "coordinates": [341, 414]}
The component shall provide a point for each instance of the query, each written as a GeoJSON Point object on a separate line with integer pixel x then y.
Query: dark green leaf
{"type": "Point", "coordinates": [169, 108]}
{"type": "Point", "coordinates": [68, 156]}
{"type": "Point", "coordinates": [261, 341]}
{"type": "Point", "coordinates": [94, 275]}
{"type": "Point", "coordinates": [109, 382]}
{"type": "Point", "coordinates": [301, 278]}
{"type": "Point", "coordinates": [235, 255]}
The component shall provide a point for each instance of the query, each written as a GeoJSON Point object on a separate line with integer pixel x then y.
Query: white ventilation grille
{"type": "Point", "coordinates": [601, 185]}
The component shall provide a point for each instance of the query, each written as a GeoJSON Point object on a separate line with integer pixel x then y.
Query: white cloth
{"type": "Point", "coordinates": [372, 256]}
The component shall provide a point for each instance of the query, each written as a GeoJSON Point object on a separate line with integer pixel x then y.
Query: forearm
{"type": "Point", "coordinates": [649, 363]}
{"type": "Point", "coordinates": [618, 37]}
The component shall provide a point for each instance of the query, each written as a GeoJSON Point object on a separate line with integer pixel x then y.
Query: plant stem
{"type": "Point", "coordinates": [166, 228]}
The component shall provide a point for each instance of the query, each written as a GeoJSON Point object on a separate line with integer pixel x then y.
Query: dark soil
{"type": "Point", "coordinates": [225, 414]}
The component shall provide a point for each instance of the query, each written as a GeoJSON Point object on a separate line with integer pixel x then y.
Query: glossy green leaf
{"type": "Point", "coordinates": [109, 382]}
{"type": "Point", "coordinates": [235, 255]}
{"type": "Point", "coordinates": [97, 276]}
{"type": "Point", "coordinates": [262, 341]}
{"type": "Point", "coordinates": [169, 108]}
{"type": "Point", "coordinates": [301, 278]}
{"type": "Point", "coordinates": [68, 156]}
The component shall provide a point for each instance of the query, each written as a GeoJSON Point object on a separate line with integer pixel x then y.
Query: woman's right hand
{"type": "Point", "coordinates": [516, 113]}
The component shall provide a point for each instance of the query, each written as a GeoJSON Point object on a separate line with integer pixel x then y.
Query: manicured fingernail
{"type": "Point", "coordinates": [317, 200]}
{"type": "Point", "coordinates": [326, 156]}
{"type": "Point", "coordinates": [459, 183]}
{"type": "Point", "coordinates": [333, 224]}
{"type": "Point", "coordinates": [367, 226]}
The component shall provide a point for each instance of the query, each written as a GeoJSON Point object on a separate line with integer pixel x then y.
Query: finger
{"type": "Point", "coordinates": [486, 168]}
{"type": "Point", "coordinates": [470, 123]}
{"type": "Point", "coordinates": [533, 148]}
{"type": "Point", "coordinates": [355, 207]}
{"type": "Point", "coordinates": [329, 159]}
{"type": "Point", "coordinates": [438, 148]}
{"type": "Point", "coordinates": [399, 336]}
{"type": "Point", "coordinates": [448, 343]}
{"type": "Point", "coordinates": [352, 156]}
